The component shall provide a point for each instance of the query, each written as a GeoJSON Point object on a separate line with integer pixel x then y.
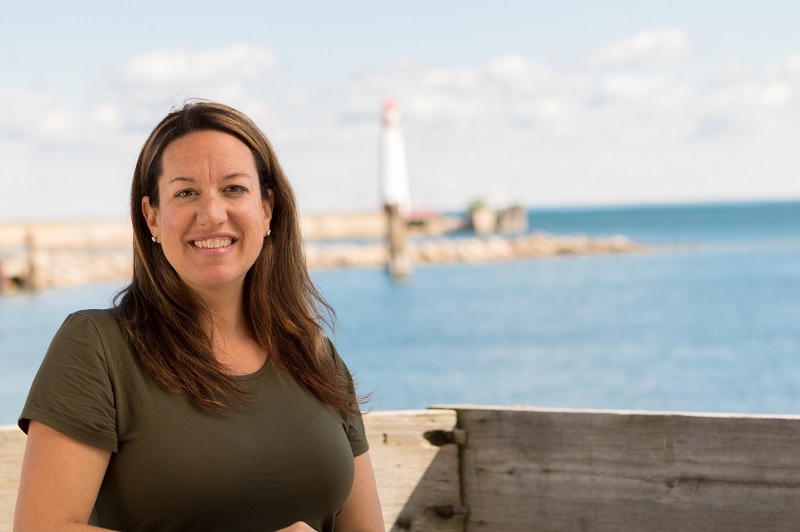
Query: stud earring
{"type": "Point", "coordinates": [269, 232]}
{"type": "Point", "coordinates": [154, 239]}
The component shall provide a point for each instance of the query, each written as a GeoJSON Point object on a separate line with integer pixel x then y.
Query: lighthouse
{"type": "Point", "coordinates": [394, 187]}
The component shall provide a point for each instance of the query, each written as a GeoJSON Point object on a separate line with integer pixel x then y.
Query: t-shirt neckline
{"type": "Point", "coordinates": [252, 376]}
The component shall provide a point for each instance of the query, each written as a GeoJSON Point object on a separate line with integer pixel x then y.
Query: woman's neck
{"type": "Point", "coordinates": [234, 346]}
{"type": "Point", "coordinates": [226, 307]}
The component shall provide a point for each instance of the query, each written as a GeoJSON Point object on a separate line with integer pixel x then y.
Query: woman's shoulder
{"type": "Point", "coordinates": [333, 354]}
{"type": "Point", "coordinates": [100, 315]}
{"type": "Point", "coordinates": [94, 325]}
{"type": "Point", "coordinates": [101, 319]}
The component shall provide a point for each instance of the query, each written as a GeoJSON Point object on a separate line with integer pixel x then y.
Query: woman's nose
{"type": "Point", "coordinates": [211, 210]}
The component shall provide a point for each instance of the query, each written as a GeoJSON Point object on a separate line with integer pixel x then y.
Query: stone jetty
{"type": "Point", "coordinates": [468, 249]}
{"type": "Point", "coordinates": [58, 254]}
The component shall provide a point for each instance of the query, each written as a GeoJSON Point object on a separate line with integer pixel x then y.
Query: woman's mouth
{"type": "Point", "coordinates": [212, 243]}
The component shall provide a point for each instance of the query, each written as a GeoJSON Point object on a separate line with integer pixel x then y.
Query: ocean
{"type": "Point", "coordinates": [707, 321]}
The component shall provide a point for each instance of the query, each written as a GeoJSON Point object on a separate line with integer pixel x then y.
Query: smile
{"type": "Point", "coordinates": [212, 243]}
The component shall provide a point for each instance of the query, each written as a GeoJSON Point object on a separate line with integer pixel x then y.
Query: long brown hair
{"type": "Point", "coordinates": [163, 318]}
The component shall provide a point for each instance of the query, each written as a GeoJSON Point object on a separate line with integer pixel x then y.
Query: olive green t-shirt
{"type": "Point", "coordinates": [284, 457]}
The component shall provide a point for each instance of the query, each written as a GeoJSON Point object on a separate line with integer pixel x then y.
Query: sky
{"type": "Point", "coordinates": [544, 104]}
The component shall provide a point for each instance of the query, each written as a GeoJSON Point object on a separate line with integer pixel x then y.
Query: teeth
{"type": "Point", "coordinates": [213, 243]}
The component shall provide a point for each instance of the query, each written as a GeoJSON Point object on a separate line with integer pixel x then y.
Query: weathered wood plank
{"type": "Point", "coordinates": [536, 469]}
{"type": "Point", "coordinates": [12, 446]}
{"type": "Point", "coordinates": [418, 483]}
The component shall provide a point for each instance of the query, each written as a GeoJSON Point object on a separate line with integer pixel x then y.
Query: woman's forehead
{"type": "Point", "coordinates": [206, 154]}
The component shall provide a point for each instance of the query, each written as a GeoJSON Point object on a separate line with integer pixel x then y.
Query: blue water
{"type": "Point", "coordinates": [709, 322]}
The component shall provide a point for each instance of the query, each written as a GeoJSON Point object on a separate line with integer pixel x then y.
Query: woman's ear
{"type": "Point", "coordinates": [150, 216]}
{"type": "Point", "coordinates": [268, 205]}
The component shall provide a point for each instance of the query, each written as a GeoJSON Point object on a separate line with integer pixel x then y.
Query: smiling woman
{"type": "Point", "coordinates": [208, 398]}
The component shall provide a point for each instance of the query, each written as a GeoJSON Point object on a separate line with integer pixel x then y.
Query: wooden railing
{"type": "Point", "coordinates": [493, 468]}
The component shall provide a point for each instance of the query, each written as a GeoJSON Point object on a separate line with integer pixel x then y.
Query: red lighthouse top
{"type": "Point", "coordinates": [391, 113]}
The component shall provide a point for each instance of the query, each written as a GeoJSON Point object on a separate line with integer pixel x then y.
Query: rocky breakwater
{"type": "Point", "coordinates": [443, 250]}
{"type": "Point", "coordinates": [44, 255]}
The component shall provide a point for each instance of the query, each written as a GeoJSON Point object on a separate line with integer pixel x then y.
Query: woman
{"type": "Point", "coordinates": [208, 398]}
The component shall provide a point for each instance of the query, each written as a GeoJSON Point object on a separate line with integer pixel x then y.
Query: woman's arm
{"type": "Point", "coordinates": [59, 483]}
{"type": "Point", "coordinates": [362, 510]}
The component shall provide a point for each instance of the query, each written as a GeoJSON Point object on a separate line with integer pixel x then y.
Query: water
{"type": "Point", "coordinates": [712, 324]}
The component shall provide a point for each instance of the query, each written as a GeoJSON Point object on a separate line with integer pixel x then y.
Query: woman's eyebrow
{"type": "Point", "coordinates": [182, 178]}
{"type": "Point", "coordinates": [233, 175]}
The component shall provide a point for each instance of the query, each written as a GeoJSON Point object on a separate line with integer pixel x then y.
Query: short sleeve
{"type": "Point", "coordinates": [72, 392]}
{"type": "Point", "coordinates": [354, 425]}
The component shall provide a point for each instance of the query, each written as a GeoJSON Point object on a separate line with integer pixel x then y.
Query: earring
{"type": "Point", "coordinates": [154, 239]}
{"type": "Point", "coordinates": [269, 232]}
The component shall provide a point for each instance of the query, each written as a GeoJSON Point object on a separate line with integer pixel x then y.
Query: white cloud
{"type": "Point", "coordinates": [763, 93]}
{"type": "Point", "coordinates": [167, 77]}
{"type": "Point", "coordinates": [431, 96]}
{"type": "Point", "coordinates": [521, 75]}
{"type": "Point", "coordinates": [166, 68]}
{"type": "Point", "coordinates": [743, 102]}
{"type": "Point", "coordinates": [43, 119]}
{"type": "Point", "coordinates": [22, 112]}
{"type": "Point", "coordinates": [792, 65]}
{"type": "Point", "coordinates": [653, 89]}
{"type": "Point", "coordinates": [644, 47]}
{"type": "Point", "coordinates": [106, 113]}
{"type": "Point", "coordinates": [451, 79]}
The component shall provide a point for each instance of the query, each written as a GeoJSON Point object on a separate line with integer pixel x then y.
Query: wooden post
{"type": "Point", "coordinates": [400, 264]}
{"type": "Point", "coordinates": [417, 476]}
{"type": "Point", "coordinates": [5, 283]}
{"type": "Point", "coordinates": [12, 447]}
{"type": "Point", "coordinates": [31, 280]}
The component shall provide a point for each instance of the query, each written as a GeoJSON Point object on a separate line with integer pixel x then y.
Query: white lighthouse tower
{"type": "Point", "coordinates": [394, 187]}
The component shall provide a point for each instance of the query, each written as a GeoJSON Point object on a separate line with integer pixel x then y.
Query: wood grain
{"type": "Point", "coordinates": [12, 447]}
{"type": "Point", "coordinates": [531, 469]}
{"type": "Point", "coordinates": [418, 482]}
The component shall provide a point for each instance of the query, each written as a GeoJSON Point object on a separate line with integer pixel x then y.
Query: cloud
{"type": "Point", "coordinates": [793, 65]}
{"type": "Point", "coordinates": [744, 102]}
{"type": "Point", "coordinates": [44, 119]}
{"type": "Point", "coordinates": [165, 68]}
{"type": "Point", "coordinates": [169, 76]}
{"type": "Point", "coordinates": [520, 75]}
{"type": "Point", "coordinates": [655, 90]}
{"type": "Point", "coordinates": [28, 114]}
{"type": "Point", "coordinates": [644, 47]}
{"type": "Point", "coordinates": [508, 89]}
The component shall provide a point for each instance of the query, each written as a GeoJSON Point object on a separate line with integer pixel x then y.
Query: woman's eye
{"type": "Point", "coordinates": [184, 193]}
{"type": "Point", "coordinates": [236, 189]}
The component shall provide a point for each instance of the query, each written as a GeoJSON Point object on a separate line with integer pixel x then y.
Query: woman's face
{"type": "Point", "coordinates": [211, 220]}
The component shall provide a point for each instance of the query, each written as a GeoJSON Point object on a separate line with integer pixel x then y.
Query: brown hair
{"type": "Point", "coordinates": [162, 317]}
